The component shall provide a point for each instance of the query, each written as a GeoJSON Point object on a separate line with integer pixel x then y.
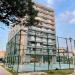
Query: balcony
{"type": "Point", "coordinates": [52, 37]}
{"type": "Point", "coordinates": [38, 34]}
{"type": "Point", "coordinates": [30, 52]}
{"type": "Point", "coordinates": [51, 13]}
{"type": "Point", "coordinates": [31, 33]}
{"type": "Point", "coordinates": [52, 27]}
{"type": "Point", "coordinates": [38, 53]}
{"type": "Point", "coordinates": [44, 40]}
{"type": "Point", "coordinates": [52, 32]}
{"type": "Point", "coordinates": [44, 30]}
{"type": "Point", "coordinates": [33, 52]}
{"type": "Point", "coordinates": [48, 31]}
{"type": "Point", "coordinates": [52, 23]}
{"type": "Point", "coordinates": [37, 47]}
{"type": "Point", "coordinates": [45, 21]}
{"type": "Point", "coordinates": [47, 26]}
{"type": "Point", "coordinates": [31, 39]}
{"type": "Point", "coordinates": [48, 44]}
{"type": "Point", "coordinates": [33, 28]}
{"type": "Point", "coordinates": [45, 16]}
{"type": "Point", "coordinates": [39, 29]}
{"type": "Point", "coordinates": [43, 11]}
{"type": "Point", "coordinates": [35, 39]}
{"type": "Point", "coordinates": [39, 18]}
{"type": "Point", "coordinates": [46, 53]}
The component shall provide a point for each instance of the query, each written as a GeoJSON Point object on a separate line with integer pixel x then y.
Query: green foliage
{"type": "Point", "coordinates": [31, 13]}
{"type": "Point", "coordinates": [11, 10]}
{"type": "Point", "coordinates": [64, 59]}
{"type": "Point", "coordinates": [12, 71]}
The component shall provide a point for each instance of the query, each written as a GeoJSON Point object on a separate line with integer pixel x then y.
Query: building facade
{"type": "Point", "coordinates": [33, 44]}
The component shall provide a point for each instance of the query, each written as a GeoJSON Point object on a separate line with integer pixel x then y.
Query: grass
{"type": "Point", "coordinates": [12, 71]}
{"type": "Point", "coordinates": [60, 72]}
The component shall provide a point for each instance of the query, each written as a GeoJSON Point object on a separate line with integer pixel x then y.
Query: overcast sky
{"type": "Point", "coordinates": [64, 16]}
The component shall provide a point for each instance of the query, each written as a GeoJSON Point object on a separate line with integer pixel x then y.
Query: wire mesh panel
{"type": "Point", "coordinates": [12, 52]}
{"type": "Point", "coordinates": [34, 50]}
{"type": "Point", "coordinates": [65, 47]}
{"type": "Point", "coordinates": [39, 51]}
{"type": "Point", "coordinates": [31, 50]}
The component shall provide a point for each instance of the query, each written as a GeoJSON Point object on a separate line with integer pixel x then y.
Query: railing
{"type": "Point", "coordinates": [39, 52]}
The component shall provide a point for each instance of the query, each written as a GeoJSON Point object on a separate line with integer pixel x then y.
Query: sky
{"type": "Point", "coordinates": [64, 19]}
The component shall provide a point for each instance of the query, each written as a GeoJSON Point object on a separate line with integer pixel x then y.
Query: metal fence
{"type": "Point", "coordinates": [65, 48]}
{"type": "Point", "coordinates": [23, 57]}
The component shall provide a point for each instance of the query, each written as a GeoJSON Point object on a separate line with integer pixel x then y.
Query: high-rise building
{"type": "Point", "coordinates": [33, 43]}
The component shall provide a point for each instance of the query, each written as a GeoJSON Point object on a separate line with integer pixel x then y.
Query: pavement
{"type": "Point", "coordinates": [38, 73]}
{"type": "Point", "coordinates": [4, 71]}
{"type": "Point", "coordinates": [72, 74]}
{"type": "Point", "coordinates": [33, 73]}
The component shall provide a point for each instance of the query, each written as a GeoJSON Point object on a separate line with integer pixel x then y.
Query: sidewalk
{"type": "Point", "coordinates": [72, 74]}
{"type": "Point", "coordinates": [4, 71]}
{"type": "Point", "coordinates": [33, 73]}
{"type": "Point", "coordinates": [37, 73]}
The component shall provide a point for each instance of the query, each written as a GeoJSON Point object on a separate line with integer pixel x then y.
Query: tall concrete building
{"type": "Point", "coordinates": [34, 43]}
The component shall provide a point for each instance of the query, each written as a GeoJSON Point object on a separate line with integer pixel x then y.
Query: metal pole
{"type": "Point", "coordinates": [71, 42]}
{"type": "Point", "coordinates": [74, 61]}
{"type": "Point", "coordinates": [58, 52]}
{"type": "Point", "coordinates": [15, 50]}
{"type": "Point", "coordinates": [19, 52]}
{"type": "Point", "coordinates": [67, 51]}
{"type": "Point", "coordinates": [48, 52]}
{"type": "Point", "coordinates": [35, 53]}
{"type": "Point", "coordinates": [11, 55]}
{"type": "Point", "coordinates": [74, 57]}
{"type": "Point", "coordinates": [71, 46]}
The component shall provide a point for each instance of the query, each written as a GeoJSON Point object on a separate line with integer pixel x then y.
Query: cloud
{"type": "Point", "coordinates": [68, 17]}
{"type": "Point", "coordinates": [50, 2]}
{"type": "Point", "coordinates": [46, 2]}
{"type": "Point", "coordinates": [53, 2]}
{"type": "Point", "coordinates": [72, 21]}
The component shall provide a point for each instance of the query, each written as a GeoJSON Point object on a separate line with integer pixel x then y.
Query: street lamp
{"type": "Point", "coordinates": [74, 60]}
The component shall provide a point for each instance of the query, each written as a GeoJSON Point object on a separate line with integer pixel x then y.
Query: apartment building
{"type": "Point", "coordinates": [34, 43]}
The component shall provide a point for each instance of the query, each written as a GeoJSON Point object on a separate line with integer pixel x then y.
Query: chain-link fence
{"type": "Point", "coordinates": [65, 48]}
{"type": "Point", "coordinates": [43, 52]}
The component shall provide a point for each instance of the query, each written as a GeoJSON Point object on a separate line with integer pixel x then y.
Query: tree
{"type": "Point", "coordinates": [12, 10]}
